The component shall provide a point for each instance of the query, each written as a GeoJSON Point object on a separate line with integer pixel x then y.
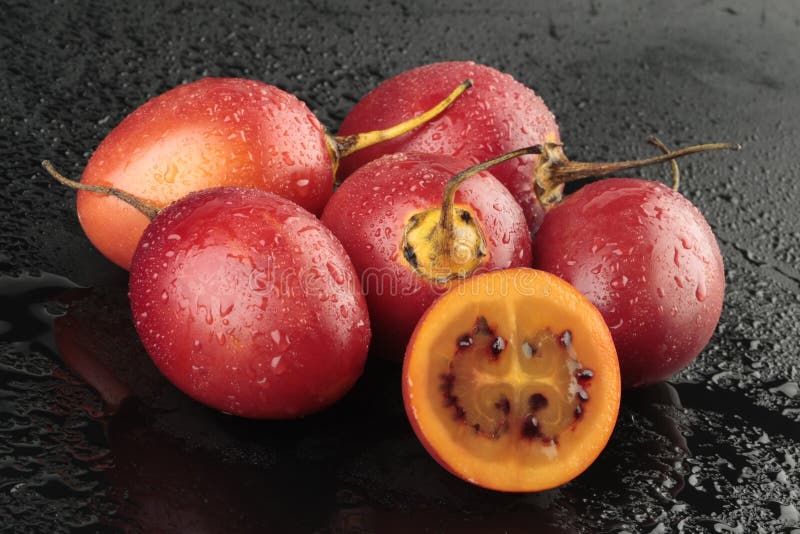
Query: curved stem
{"type": "Point", "coordinates": [448, 213]}
{"type": "Point", "coordinates": [554, 169]}
{"type": "Point", "coordinates": [676, 172]}
{"type": "Point", "coordinates": [146, 208]}
{"type": "Point", "coordinates": [346, 145]}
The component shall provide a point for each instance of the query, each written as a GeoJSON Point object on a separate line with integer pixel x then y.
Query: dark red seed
{"type": "Point", "coordinates": [465, 341]}
{"type": "Point", "coordinates": [460, 413]}
{"type": "Point", "coordinates": [503, 405]}
{"type": "Point", "coordinates": [584, 374]}
{"type": "Point", "coordinates": [578, 411]}
{"type": "Point", "coordinates": [530, 426]}
{"type": "Point", "coordinates": [477, 427]}
{"type": "Point", "coordinates": [498, 345]}
{"type": "Point", "coordinates": [537, 401]}
{"type": "Point", "coordinates": [582, 395]}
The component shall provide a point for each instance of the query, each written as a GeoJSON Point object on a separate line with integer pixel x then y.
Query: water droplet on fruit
{"type": "Point", "coordinates": [702, 291]}
{"type": "Point", "coordinates": [660, 292]}
{"type": "Point", "coordinates": [302, 183]}
{"type": "Point", "coordinates": [164, 296]}
{"type": "Point", "coordinates": [679, 282]}
{"type": "Point", "coordinates": [335, 273]}
{"type": "Point", "coordinates": [676, 258]}
{"type": "Point", "coordinates": [278, 365]}
{"type": "Point", "coordinates": [619, 283]}
{"type": "Point", "coordinates": [287, 159]}
{"type": "Point", "coordinates": [276, 336]}
{"type": "Point", "coordinates": [174, 237]}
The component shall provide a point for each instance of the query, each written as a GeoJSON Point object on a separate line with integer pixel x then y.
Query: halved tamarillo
{"type": "Point", "coordinates": [210, 133]}
{"type": "Point", "coordinates": [415, 223]}
{"type": "Point", "coordinates": [511, 381]}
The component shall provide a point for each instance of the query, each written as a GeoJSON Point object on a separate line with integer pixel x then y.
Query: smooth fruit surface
{"type": "Point", "coordinates": [647, 258]}
{"type": "Point", "coordinates": [497, 115]}
{"type": "Point", "coordinates": [212, 132]}
{"type": "Point", "coordinates": [247, 303]}
{"type": "Point", "coordinates": [511, 381]}
{"type": "Point", "coordinates": [371, 209]}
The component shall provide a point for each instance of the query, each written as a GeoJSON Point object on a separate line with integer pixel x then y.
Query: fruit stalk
{"type": "Point", "coordinates": [147, 209]}
{"type": "Point", "coordinates": [343, 146]}
{"type": "Point", "coordinates": [448, 214]}
{"type": "Point", "coordinates": [554, 169]}
{"type": "Point", "coordinates": [676, 172]}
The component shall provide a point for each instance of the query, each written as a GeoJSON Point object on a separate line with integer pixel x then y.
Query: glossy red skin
{"type": "Point", "coordinates": [209, 133]}
{"type": "Point", "coordinates": [247, 303]}
{"type": "Point", "coordinates": [370, 210]}
{"type": "Point", "coordinates": [647, 258]}
{"type": "Point", "coordinates": [495, 116]}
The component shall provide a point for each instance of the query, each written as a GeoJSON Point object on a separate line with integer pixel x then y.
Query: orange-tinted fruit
{"type": "Point", "coordinates": [511, 381]}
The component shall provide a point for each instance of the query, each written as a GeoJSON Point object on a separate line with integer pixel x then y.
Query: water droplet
{"type": "Point", "coordinates": [790, 389]}
{"type": "Point", "coordinates": [702, 291]}
{"type": "Point", "coordinates": [335, 273]}
{"type": "Point", "coordinates": [164, 296]}
{"type": "Point", "coordinates": [619, 283]}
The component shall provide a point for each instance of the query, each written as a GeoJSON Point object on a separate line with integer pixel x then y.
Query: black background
{"type": "Point", "coordinates": [713, 451]}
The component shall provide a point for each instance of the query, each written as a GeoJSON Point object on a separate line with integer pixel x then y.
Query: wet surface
{"type": "Point", "coordinates": [714, 450]}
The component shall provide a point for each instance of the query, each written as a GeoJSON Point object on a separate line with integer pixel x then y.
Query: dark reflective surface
{"type": "Point", "coordinates": [93, 439]}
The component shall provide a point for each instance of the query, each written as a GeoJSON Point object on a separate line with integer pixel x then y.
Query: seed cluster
{"type": "Point", "coordinates": [483, 338]}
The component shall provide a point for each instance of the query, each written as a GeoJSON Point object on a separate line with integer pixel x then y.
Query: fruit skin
{"type": "Point", "coordinates": [208, 133]}
{"type": "Point", "coordinates": [649, 261]}
{"type": "Point", "coordinates": [496, 115]}
{"type": "Point", "coordinates": [551, 301]}
{"type": "Point", "coordinates": [370, 210]}
{"type": "Point", "coordinates": [248, 304]}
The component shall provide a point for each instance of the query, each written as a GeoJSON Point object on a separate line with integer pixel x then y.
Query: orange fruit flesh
{"type": "Point", "coordinates": [511, 381]}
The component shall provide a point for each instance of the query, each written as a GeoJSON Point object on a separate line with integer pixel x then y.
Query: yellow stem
{"type": "Point", "coordinates": [448, 213]}
{"type": "Point", "coordinates": [346, 145]}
